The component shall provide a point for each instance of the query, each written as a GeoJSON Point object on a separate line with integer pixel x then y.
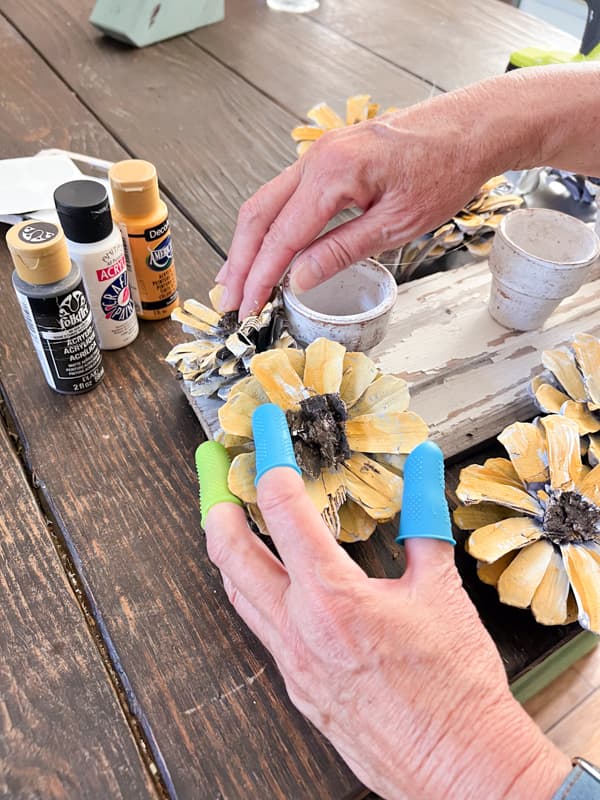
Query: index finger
{"type": "Point", "coordinates": [253, 222]}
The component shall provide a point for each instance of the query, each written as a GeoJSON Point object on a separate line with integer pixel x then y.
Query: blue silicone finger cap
{"type": "Point", "coordinates": [425, 513]}
{"type": "Point", "coordinates": [272, 440]}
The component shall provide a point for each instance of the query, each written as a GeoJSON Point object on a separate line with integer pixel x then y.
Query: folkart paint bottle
{"type": "Point", "coordinates": [96, 246]}
{"type": "Point", "coordinates": [142, 218]}
{"type": "Point", "coordinates": [53, 301]}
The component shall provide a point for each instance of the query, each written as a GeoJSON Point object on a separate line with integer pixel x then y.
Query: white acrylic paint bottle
{"type": "Point", "coordinates": [96, 246]}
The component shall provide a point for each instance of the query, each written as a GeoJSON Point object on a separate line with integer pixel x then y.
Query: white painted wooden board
{"type": "Point", "coordinates": [468, 375]}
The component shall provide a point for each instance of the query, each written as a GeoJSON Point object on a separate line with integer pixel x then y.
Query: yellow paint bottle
{"type": "Point", "coordinates": [143, 220]}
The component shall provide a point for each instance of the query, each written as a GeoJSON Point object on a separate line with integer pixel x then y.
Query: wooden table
{"type": "Point", "coordinates": [123, 671]}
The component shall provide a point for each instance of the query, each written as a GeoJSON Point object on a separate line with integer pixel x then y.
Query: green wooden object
{"type": "Point", "coordinates": [143, 22]}
{"type": "Point", "coordinates": [537, 678]}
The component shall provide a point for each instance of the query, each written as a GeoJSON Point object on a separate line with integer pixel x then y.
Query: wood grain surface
{"type": "Point", "coordinates": [63, 735]}
{"type": "Point", "coordinates": [115, 469]}
{"type": "Point", "coordinates": [307, 63]}
{"type": "Point", "coordinates": [213, 137]}
{"type": "Point", "coordinates": [448, 43]}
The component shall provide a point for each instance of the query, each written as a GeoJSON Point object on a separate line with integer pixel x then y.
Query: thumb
{"type": "Point", "coordinates": [425, 524]}
{"type": "Point", "coordinates": [336, 250]}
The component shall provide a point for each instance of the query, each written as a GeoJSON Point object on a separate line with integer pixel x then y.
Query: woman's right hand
{"type": "Point", "coordinates": [406, 171]}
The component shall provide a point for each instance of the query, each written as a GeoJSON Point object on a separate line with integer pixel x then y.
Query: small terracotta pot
{"type": "Point", "coordinates": [352, 308]}
{"type": "Point", "coordinates": [539, 257]}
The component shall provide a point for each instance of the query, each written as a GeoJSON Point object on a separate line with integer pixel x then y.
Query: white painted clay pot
{"type": "Point", "coordinates": [538, 258]}
{"type": "Point", "coordinates": [352, 308]}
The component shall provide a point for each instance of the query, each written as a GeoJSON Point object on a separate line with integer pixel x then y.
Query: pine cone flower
{"type": "Point", "coordinates": [223, 348]}
{"type": "Point", "coordinates": [570, 385]}
{"type": "Point", "coordinates": [535, 522]}
{"type": "Point", "coordinates": [349, 425]}
{"type": "Point", "coordinates": [473, 228]}
{"type": "Point", "coordinates": [358, 109]}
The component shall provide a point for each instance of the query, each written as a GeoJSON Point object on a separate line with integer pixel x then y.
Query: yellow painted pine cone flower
{"type": "Point", "coordinates": [570, 385]}
{"type": "Point", "coordinates": [221, 352]}
{"type": "Point", "coordinates": [535, 518]}
{"type": "Point", "coordinates": [473, 228]}
{"type": "Point", "coordinates": [358, 109]}
{"type": "Point", "coordinates": [349, 425]}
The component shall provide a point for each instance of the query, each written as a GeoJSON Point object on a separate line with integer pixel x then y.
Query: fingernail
{"type": "Point", "coordinates": [222, 272]}
{"type": "Point", "coordinates": [224, 300]}
{"type": "Point", "coordinates": [300, 278]}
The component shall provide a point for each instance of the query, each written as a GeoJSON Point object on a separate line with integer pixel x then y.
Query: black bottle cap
{"type": "Point", "coordinates": [83, 210]}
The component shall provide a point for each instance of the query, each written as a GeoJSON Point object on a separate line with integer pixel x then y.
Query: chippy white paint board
{"type": "Point", "coordinates": [468, 375]}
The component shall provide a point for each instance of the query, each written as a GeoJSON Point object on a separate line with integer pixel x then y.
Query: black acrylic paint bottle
{"type": "Point", "coordinates": [55, 307]}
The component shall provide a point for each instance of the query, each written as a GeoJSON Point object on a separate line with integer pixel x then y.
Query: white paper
{"type": "Point", "coordinates": [28, 184]}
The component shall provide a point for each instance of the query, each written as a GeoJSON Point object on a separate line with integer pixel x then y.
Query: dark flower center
{"type": "Point", "coordinates": [319, 434]}
{"type": "Point", "coordinates": [570, 518]}
{"type": "Point", "coordinates": [229, 322]}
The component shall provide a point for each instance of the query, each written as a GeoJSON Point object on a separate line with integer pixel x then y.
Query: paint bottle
{"type": "Point", "coordinates": [55, 307]}
{"type": "Point", "coordinates": [95, 245]}
{"type": "Point", "coordinates": [144, 223]}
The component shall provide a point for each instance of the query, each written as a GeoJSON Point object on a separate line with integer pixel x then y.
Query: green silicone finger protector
{"type": "Point", "coordinates": [212, 466]}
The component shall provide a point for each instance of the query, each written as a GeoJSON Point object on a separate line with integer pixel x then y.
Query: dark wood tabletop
{"type": "Point", "coordinates": [123, 671]}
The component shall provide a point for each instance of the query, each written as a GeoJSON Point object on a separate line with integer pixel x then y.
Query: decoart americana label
{"type": "Point", "coordinates": [160, 251]}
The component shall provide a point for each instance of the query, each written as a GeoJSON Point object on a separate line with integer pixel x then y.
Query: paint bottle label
{"type": "Point", "coordinates": [150, 253]}
{"type": "Point", "coordinates": [63, 335]}
{"type": "Point", "coordinates": [133, 288]}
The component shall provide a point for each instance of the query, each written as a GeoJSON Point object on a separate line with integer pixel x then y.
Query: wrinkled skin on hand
{"type": "Point", "coordinates": [399, 675]}
{"type": "Point", "coordinates": [405, 171]}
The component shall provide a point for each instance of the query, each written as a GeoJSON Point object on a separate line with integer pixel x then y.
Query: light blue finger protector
{"type": "Point", "coordinates": [272, 440]}
{"type": "Point", "coordinates": [425, 513]}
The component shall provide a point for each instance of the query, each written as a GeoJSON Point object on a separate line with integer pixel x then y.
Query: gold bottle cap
{"type": "Point", "coordinates": [39, 252]}
{"type": "Point", "coordinates": [134, 185]}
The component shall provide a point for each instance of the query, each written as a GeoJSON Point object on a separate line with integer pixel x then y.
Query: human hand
{"type": "Point", "coordinates": [399, 675]}
{"type": "Point", "coordinates": [408, 171]}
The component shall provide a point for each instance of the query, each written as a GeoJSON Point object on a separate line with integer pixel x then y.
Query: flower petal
{"type": "Point", "coordinates": [250, 386]}
{"type": "Point", "coordinates": [327, 494]}
{"type": "Point", "coordinates": [561, 364]}
{"type": "Point", "coordinates": [387, 393]}
{"type": "Point", "coordinates": [359, 373]}
{"type": "Point", "coordinates": [549, 604]}
{"type": "Point", "coordinates": [202, 312]}
{"type": "Point", "coordinates": [564, 451]}
{"type": "Point", "coordinates": [493, 541]}
{"type": "Point", "coordinates": [296, 359]}
{"type": "Point", "coordinates": [468, 518]}
{"type": "Point", "coordinates": [475, 486]}
{"type": "Point", "coordinates": [377, 490]}
{"type": "Point", "coordinates": [278, 378]}
{"type": "Point", "coordinates": [325, 116]}
{"type": "Point", "coordinates": [519, 581]}
{"type": "Point", "coordinates": [526, 447]}
{"type": "Point", "coordinates": [357, 108]}
{"type": "Point", "coordinates": [392, 461]}
{"type": "Point", "coordinates": [306, 133]}
{"type": "Point", "coordinates": [593, 453]}
{"type": "Point", "coordinates": [587, 351]}
{"type": "Point", "coordinates": [490, 573]}
{"type": "Point", "coordinates": [579, 413]}
{"type": "Point", "coordinates": [235, 415]}
{"type": "Point", "coordinates": [589, 485]}
{"type": "Point", "coordinates": [324, 366]}
{"type": "Point", "coordinates": [356, 524]}
{"type": "Point", "coordinates": [583, 570]}
{"type": "Point", "coordinates": [215, 295]}
{"type": "Point", "coordinates": [242, 474]}
{"type": "Point", "coordinates": [191, 321]}
{"type": "Point", "coordinates": [396, 432]}
{"type": "Point", "coordinates": [548, 397]}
